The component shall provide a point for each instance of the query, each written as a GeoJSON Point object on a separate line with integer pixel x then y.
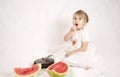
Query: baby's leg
{"type": "Point", "coordinates": [80, 60]}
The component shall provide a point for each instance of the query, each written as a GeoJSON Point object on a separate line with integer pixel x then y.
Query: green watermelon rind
{"type": "Point", "coordinates": [31, 75]}
{"type": "Point", "coordinates": [56, 74]}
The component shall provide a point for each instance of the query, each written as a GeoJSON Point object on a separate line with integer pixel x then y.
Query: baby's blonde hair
{"type": "Point", "coordinates": [84, 14]}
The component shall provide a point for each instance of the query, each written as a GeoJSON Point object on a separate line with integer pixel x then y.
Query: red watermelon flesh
{"type": "Point", "coordinates": [24, 72]}
{"type": "Point", "coordinates": [59, 67]}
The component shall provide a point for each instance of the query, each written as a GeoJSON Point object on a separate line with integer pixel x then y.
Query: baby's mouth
{"type": "Point", "coordinates": [76, 24]}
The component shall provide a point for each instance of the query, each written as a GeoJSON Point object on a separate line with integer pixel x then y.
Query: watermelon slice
{"type": "Point", "coordinates": [27, 72]}
{"type": "Point", "coordinates": [59, 69]}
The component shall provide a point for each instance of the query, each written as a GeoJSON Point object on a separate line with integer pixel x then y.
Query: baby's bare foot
{"type": "Point", "coordinates": [88, 68]}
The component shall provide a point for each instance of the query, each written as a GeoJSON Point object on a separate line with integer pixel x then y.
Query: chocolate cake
{"type": "Point", "coordinates": [45, 62]}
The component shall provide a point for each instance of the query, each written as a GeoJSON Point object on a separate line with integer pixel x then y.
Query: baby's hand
{"type": "Point", "coordinates": [68, 53]}
{"type": "Point", "coordinates": [74, 28]}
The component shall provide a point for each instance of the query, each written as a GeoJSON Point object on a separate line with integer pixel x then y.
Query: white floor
{"type": "Point", "coordinates": [105, 68]}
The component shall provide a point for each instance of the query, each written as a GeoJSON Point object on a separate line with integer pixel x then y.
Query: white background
{"type": "Point", "coordinates": [29, 28]}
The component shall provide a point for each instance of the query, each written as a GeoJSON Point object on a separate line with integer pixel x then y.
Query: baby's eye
{"type": "Point", "coordinates": [75, 18]}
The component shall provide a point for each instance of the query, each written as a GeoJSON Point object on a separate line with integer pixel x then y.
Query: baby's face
{"type": "Point", "coordinates": [78, 21]}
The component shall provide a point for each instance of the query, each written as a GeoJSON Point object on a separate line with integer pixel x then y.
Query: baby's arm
{"type": "Point", "coordinates": [83, 48]}
{"type": "Point", "coordinates": [70, 33]}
